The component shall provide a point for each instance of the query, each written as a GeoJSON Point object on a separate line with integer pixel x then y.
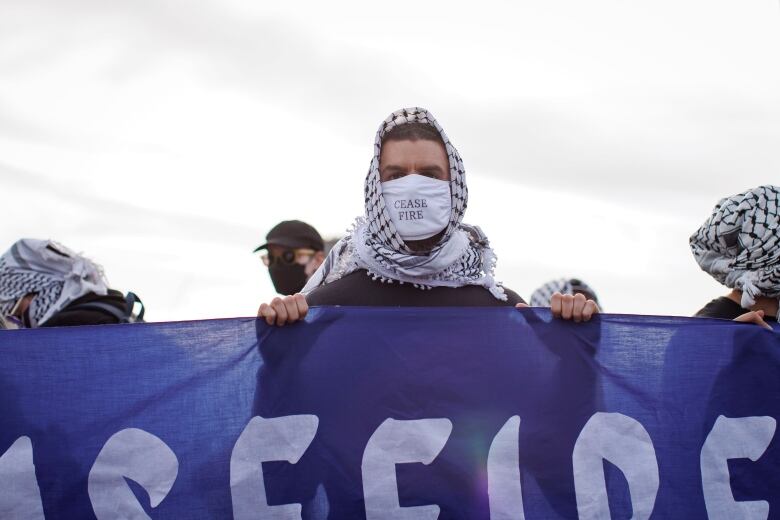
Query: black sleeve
{"type": "Point", "coordinates": [723, 308]}
{"type": "Point", "coordinates": [512, 298]}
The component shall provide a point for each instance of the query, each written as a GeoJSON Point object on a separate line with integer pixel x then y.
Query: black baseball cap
{"type": "Point", "coordinates": [292, 234]}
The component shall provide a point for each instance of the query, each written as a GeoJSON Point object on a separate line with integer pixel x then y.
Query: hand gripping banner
{"type": "Point", "coordinates": [383, 413]}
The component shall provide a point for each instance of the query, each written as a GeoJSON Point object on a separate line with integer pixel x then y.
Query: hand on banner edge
{"type": "Point", "coordinates": [284, 310]}
{"type": "Point", "coordinates": [755, 317]}
{"type": "Point", "coordinates": [570, 307]}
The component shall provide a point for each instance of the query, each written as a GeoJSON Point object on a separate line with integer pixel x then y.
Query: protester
{"type": "Point", "coordinates": [411, 248]}
{"type": "Point", "coordinates": [542, 296]}
{"type": "Point", "coordinates": [739, 246]}
{"type": "Point", "coordinates": [295, 251]}
{"type": "Point", "coordinates": [44, 284]}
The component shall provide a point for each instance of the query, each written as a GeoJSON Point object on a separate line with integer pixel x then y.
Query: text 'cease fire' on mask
{"type": "Point", "coordinates": [419, 206]}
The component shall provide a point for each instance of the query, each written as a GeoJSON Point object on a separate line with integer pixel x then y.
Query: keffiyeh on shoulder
{"type": "Point", "coordinates": [462, 257]}
{"type": "Point", "coordinates": [55, 274]}
{"type": "Point", "coordinates": [739, 245]}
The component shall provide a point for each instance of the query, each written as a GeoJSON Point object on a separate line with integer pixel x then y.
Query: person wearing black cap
{"type": "Point", "coordinates": [294, 251]}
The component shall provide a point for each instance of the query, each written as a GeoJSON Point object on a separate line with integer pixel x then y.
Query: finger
{"type": "Point", "coordinates": [555, 304]}
{"type": "Point", "coordinates": [281, 311]}
{"type": "Point", "coordinates": [521, 305]}
{"type": "Point", "coordinates": [578, 305]}
{"type": "Point", "coordinates": [758, 320]}
{"type": "Point", "coordinates": [748, 317]}
{"type": "Point", "coordinates": [267, 312]}
{"type": "Point", "coordinates": [567, 306]}
{"type": "Point", "coordinates": [302, 304]}
{"type": "Point", "coordinates": [292, 309]}
{"type": "Point", "coordinates": [753, 317]}
{"type": "Point", "coordinates": [590, 309]}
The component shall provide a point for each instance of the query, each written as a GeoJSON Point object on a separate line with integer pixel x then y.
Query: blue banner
{"type": "Point", "coordinates": [385, 413]}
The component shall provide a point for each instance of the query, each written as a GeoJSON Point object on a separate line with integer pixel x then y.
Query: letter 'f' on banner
{"type": "Point", "coordinates": [733, 438]}
{"type": "Point", "coordinates": [399, 442]}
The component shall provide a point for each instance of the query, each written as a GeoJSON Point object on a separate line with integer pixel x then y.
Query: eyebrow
{"type": "Point", "coordinates": [392, 167]}
{"type": "Point", "coordinates": [425, 168]}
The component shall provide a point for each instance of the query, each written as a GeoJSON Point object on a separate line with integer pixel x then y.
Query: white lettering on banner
{"type": "Point", "coordinates": [137, 455]}
{"type": "Point", "coordinates": [399, 442]}
{"type": "Point", "coordinates": [504, 487]}
{"type": "Point", "coordinates": [264, 440]}
{"type": "Point", "coordinates": [733, 438]}
{"type": "Point", "coordinates": [20, 496]}
{"type": "Point", "coordinates": [624, 442]}
{"type": "Point", "coordinates": [140, 456]}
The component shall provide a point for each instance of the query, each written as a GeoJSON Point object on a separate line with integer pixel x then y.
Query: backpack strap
{"type": "Point", "coordinates": [122, 317]}
{"type": "Point", "coordinates": [131, 299]}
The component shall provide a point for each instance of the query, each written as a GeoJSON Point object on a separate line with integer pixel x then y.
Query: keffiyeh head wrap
{"type": "Point", "coordinates": [739, 245]}
{"type": "Point", "coordinates": [462, 257]}
{"type": "Point", "coordinates": [541, 297]}
{"type": "Point", "coordinates": [56, 276]}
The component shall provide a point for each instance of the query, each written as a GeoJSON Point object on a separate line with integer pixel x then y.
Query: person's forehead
{"type": "Point", "coordinates": [420, 148]}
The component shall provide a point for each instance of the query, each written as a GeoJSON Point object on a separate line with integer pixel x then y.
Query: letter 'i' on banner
{"type": "Point", "coordinates": [505, 491]}
{"type": "Point", "coordinates": [20, 496]}
{"type": "Point", "coordinates": [264, 440]}
{"type": "Point", "coordinates": [733, 438]}
{"type": "Point", "coordinates": [624, 442]}
{"type": "Point", "coordinates": [141, 457]}
{"type": "Point", "coordinates": [399, 442]}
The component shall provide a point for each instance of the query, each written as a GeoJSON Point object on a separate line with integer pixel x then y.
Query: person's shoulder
{"type": "Point", "coordinates": [512, 298]}
{"type": "Point", "coordinates": [358, 288]}
{"type": "Point", "coordinates": [722, 307]}
{"type": "Point", "coordinates": [344, 291]}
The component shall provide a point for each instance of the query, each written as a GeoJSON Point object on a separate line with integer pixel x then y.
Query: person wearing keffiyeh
{"type": "Point", "coordinates": [43, 277]}
{"type": "Point", "coordinates": [45, 284]}
{"type": "Point", "coordinates": [411, 247]}
{"type": "Point", "coordinates": [739, 246]}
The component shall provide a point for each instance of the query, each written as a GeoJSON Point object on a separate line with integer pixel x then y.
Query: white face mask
{"type": "Point", "coordinates": [419, 206]}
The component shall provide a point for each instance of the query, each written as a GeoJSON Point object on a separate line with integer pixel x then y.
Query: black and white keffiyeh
{"type": "Point", "coordinates": [52, 272]}
{"type": "Point", "coordinates": [462, 257]}
{"type": "Point", "coordinates": [739, 245]}
{"type": "Point", "coordinates": [542, 296]}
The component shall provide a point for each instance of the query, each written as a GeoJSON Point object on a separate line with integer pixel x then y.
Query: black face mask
{"type": "Point", "coordinates": [287, 278]}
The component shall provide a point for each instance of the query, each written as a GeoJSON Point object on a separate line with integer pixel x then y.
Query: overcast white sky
{"type": "Point", "coordinates": [164, 138]}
